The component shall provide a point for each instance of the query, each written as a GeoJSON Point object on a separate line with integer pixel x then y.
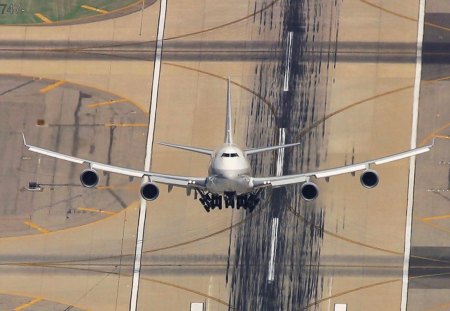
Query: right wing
{"type": "Point", "coordinates": [277, 181]}
{"type": "Point", "coordinates": [180, 181]}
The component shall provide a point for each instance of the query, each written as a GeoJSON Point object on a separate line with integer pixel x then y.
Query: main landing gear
{"type": "Point", "coordinates": [247, 201]}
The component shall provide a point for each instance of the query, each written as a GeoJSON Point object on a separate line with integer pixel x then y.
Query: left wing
{"type": "Point", "coordinates": [299, 178]}
{"type": "Point", "coordinates": [180, 181]}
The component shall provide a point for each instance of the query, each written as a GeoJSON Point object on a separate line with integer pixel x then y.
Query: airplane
{"type": "Point", "coordinates": [229, 182]}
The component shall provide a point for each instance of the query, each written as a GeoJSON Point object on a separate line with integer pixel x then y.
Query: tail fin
{"type": "Point", "coordinates": [228, 129]}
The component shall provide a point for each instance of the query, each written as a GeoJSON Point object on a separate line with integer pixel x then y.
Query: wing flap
{"type": "Point", "coordinates": [55, 154]}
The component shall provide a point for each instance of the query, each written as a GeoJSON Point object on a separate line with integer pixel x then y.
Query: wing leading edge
{"type": "Point", "coordinates": [180, 181]}
{"type": "Point", "coordinates": [300, 178]}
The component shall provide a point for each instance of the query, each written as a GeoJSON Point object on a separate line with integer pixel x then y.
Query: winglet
{"type": "Point", "coordinates": [24, 140]}
{"type": "Point", "coordinates": [432, 143]}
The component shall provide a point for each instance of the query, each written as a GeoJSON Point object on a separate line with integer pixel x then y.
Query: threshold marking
{"type": "Point", "coordinates": [52, 86]}
{"type": "Point", "coordinates": [148, 155]}
{"type": "Point", "coordinates": [273, 247]}
{"type": "Point", "coordinates": [43, 18]}
{"type": "Point", "coordinates": [28, 304]}
{"type": "Point", "coordinates": [91, 8]}
{"type": "Point", "coordinates": [35, 226]}
{"type": "Point", "coordinates": [288, 62]}
{"type": "Point", "coordinates": [412, 160]}
{"type": "Point", "coordinates": [280, 153]}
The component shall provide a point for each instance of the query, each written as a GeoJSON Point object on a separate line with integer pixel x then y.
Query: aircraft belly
{"type": "Point", "coordinates": [216, 184]}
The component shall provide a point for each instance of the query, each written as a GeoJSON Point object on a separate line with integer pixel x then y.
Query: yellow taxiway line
{"type": "Point", "coordinates": [435, 133]}
{"type": "Point", "coordinates": [95, 210]}
{"type": "Point", "coordinates": [45, 19]}
{"type": "Point", "coordinates": [28, 304]}
{"type": "Point", "coordinates": [34, 226]}
{"type": "Point", "coordinates": [108, 102]}
{"type": "Point", "coordinates": [50, 87]}
{"type": "Point", "coordinates": [435, 217]}
{"type": "Point", "coordinates": [91, 8]}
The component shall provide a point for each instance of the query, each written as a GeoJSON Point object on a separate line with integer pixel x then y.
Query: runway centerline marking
{"type": "Point", "coordinates": [91, 8]}
{"type": "Point", "coordinates": [35, 226]}
{"type": "Point", "coordinates": [288, 62]}
{"type": "Point", "coordinates": [43, 18]}
{"type": "Point", "coordinates": [52, 86]}
{"type": "Point", "coordinates": [280, 153]}
{"type": "Point", "coordinates": [148, 155]}
{"type": "Point", "coordinates": [28, 304]}
{"type": "Point", "coordinates": [412, 160]}
{"type": "Point", "coordinates": [273, 248]}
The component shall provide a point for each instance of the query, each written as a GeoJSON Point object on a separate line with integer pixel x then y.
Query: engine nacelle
{"type": "Point", "coordinates": [149, 191]}
{"type": "Point", "coordinates": [89, 178]}
{"type": "Point", "coordinates": [369, 179]}
{"type": "Point", "coordinates": [309, 191]}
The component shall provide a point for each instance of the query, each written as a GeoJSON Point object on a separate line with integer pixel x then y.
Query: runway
{"type": "Point", "coordinates": [223, 51]}
{"type": "Point", "coordinates": [338, 77]}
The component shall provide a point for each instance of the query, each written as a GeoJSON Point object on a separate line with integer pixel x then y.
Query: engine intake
{"type": "Point", "coordinates": [369, 179]}
{"type": "Point", "coordinates": [89, 178]}
{"type": "Point", "coordinates": [309, 191]}
{"type": "Point", "coordinates": [149, 191]}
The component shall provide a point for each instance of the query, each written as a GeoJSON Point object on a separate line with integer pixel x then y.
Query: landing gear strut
{"type": "Point", "coordinates": [208, 200]}
{"type": "Point", "coordinates": [247, 201]}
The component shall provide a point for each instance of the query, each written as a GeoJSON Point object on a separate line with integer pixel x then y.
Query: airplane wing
{"type": "Point", "coordinates": [278, 181]}
{"type": "Point", "coordinates": [180, 181]}
{"type": "Point", "coordinates": [257, 150]}
{"type": "Point", "coordinates": [189, 148]}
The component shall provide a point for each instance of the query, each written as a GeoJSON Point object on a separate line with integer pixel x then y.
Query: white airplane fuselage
{"type": "Point", "coordinates": [229, 171]}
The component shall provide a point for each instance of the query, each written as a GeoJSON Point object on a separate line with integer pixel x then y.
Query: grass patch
{"type": "Point", "coordinates": [23, 11]}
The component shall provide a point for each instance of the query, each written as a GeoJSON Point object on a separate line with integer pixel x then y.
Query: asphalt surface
{"type": "Point", "coordinates": [296, 280]}
{"type": "Point", "coordinates": [429, 269]}
{"type": "Point", "coordinates": [68, 122]}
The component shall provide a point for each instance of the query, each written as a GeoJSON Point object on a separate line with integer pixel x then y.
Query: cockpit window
{"type": "Point", "coordinates": [229, 155]}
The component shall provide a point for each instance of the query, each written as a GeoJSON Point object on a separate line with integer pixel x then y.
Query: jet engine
{"type": "Point", "coordinates": [89, 178]}
{"type": "Point", "coordinates": [149, 191]}
{"type": "Point", "coordinates": [309, 191]}
{"type": "Point", "coordinates": [369, 179]}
